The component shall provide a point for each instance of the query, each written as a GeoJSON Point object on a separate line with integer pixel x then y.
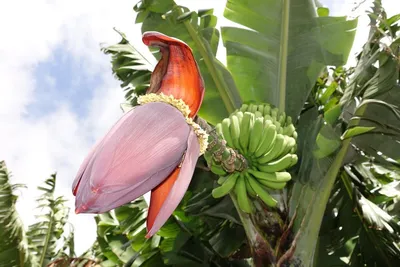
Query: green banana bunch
{"type": "Point", "coordinates": [260, 132]}
{"type": "Point", "coordinates": [266, 138]}
{"type": "Point", "coordinates": [251, 184]}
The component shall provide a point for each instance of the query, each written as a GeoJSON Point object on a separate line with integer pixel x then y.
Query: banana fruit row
{"type": "Point", "coordinates": [266, 137]}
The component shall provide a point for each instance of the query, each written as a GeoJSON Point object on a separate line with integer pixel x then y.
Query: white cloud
{"type": "Point", "coordinates": [36, 147]}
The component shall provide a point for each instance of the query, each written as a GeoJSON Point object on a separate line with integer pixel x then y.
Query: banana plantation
{"type": "Point", "coordinates": [282, 156]}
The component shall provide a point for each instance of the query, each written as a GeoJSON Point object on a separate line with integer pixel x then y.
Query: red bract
{"type": "Point", "coordinates": [152, 147]}
{"type": "Point", "coordinates": [177, 72]}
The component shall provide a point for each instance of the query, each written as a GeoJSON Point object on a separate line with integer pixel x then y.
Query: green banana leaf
{"type": "Point", "coordinates": [375, 86]}
{"type": "Point", "coordinates": [281, 53]}
{"type": "Point", "coordinates": [13, 245]}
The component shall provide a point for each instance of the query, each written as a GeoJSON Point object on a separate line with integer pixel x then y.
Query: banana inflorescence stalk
{"type": "Point", "coordinates": [259, 146]}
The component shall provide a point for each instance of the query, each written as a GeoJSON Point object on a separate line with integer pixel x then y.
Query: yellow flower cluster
{"type": "Point", "coordinates": [202, 135]}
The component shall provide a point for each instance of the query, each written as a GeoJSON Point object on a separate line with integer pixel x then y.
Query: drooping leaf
{"type": "Point", "coordinates": [280, 57]}
{"type": "Point", "coordinates": [13, 244]}
{"type": "Point", "coordinates": [44, 235]}
{"type": "Point", "coordinates": [130, 67]}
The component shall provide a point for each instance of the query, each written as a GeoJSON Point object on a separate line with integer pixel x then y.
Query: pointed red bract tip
{"type": "Point", "coordinates": [156, 38]}
{"type": "Point", "coordinates": [158, 196]}
{"type": "Point", "coordinates": [174, 189]}
{"type": "Point", "coordinates": [177, 72]}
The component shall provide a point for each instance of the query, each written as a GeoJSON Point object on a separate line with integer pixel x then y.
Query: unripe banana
{"type": "Point", "coordinates": [266, 137]}
{"type": "Point", "coordinates": [289, 120]}
{"type": "Point", "coordinates": [289, 130]}
{"type": "Point", "coordinates": [217, 169]}
{"type": "Point", "coordinates": [241, 194]}
{"type": "Point", "coordinates": [294, 149]}
{"type": "Point", "coordinates": [282, 118]}
{"type": "Point", "coordinates": [245, 128]}
{"type": "Point", "coordinates": [262, 193]}
{"type": "Point", "coordinates": [267, 110]}
{"type": "Point", "coordinates": [271, 177]}
{"type": "Point", "coordinates": [258, 114]}
{"type": "Point", "coordinates": [218, 129]}
{"type": "Point", "coordinates": [226, 131]}
{"type": "Point", "coordinates": [222, 179]}
{"type": "Point", "coordinates": [274, 113]}
{"type": "Point", "coordinates": [249, 189]}
{"type": "Point", "coordinates": [268, 118]}
{"type": "Point", "coordinates": [249, 108]}
{"type": "Point", "coordinates": [208, 157]}
{"type": "Point", "coordinates": [283, 163]}
{"type": "Point", "coordinates": [240, 116]}
{"type": "Point", "coordinates": [226, 187]}
{"type": "Point", "coordinates": [276, 148]}
{"type": "Point", "coordinates": [256, 135]}
{"type": "Point", "coordinates": [272, 185]}
{"type": "Point", "coordinates": [278, 125]}
{"type": "Point", "coordinates": [252, 108]}
{"type": "Point", "coordinates": [269, 136]}
{"type": "Point", "coordinates": [291, 142]}
{"type": "Point", "coordinates": [284, 147]}
{"type": "Point", "coordinates": [260, 109]}
{"type": "Point", "coordinates": [235, 131]}
{"type": "Point", "coordinates": [244, 107]}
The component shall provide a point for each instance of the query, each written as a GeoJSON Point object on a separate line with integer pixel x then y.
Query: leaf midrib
{"type": "Point", "coordinates": [283, 53]}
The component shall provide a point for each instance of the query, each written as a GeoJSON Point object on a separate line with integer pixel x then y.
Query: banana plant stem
{"type": "Point", "coordinates": [261, 250]}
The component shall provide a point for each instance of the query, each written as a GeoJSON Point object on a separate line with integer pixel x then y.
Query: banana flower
{"type": "Point", "coordinates": [154, 146]}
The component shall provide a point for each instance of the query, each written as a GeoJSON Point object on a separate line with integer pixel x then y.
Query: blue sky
{"type": "Point", "coordinates": [58, 94]}
{"type": "Point", "coordinates": [55, 84]}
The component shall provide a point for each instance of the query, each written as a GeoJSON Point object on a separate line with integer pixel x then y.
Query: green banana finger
{"type": "Point", "coordinates": [222, 179]}
{"type": "Point", "coordinates": [289, 120]}
{"type": "Point", "coordinates": [283, 163]}
{"type": "Point", "coordinates": [208, 157]}
{"type": "Point", "coordinates": [218, 129]}
{"type": "Point", "coordinates": [256, 135]}
{"type": "Point", "coordinates": [235, 131]}
{"type": "Point", "coordinates": [258, 114]}
{"type": "Point", "coordinates": [278, 125]}
{"type": "Point", "coordinates": [262, 193]}
{"type": "Point", "coordinates": [289, 146]}
{"type": "Point", "coordinates": [249, 189]}
{"type": "Point", "coordinates": [268, 118]}
{"type": "Point", "coordinates": [245, 127]}
{"type": "Point", "coordinates": [252, 108]}
{"type": "Point", "coordinates": [268, 139]}
{"type": "Point", "coordinates": [285, 146]}
{"type": "Point", "coordinates": [294, 148]}
{"type": "Point", "coordinates": [274, 113]}
{"type": "Point", "coordinates": [240, 116]}
{"type": "Point", "coordinates": [226, 187]}
{"type": "Point", "coordinates": [244, 107]}
{"type": "Point", "coordinates": [267, 110]}
{"type": "Point", "coordinates": [241, 194]}
{"type": "Point", "coordinates": [272, 185]}
{"type": "Point", "coordinates": [276, 148]}
{"type": "Point", "coordinates": [260, 108]}
{"type": "Point", "coordinates": [272, 177]}
{"type": "Point", "coordinates": [218, 170]}
{"type": "Point", "coordinates": [282, 118]}
{"type": "Point", "coordinates": [226, 131]}
{"type": "Point", "coordinates": [289, 130]}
